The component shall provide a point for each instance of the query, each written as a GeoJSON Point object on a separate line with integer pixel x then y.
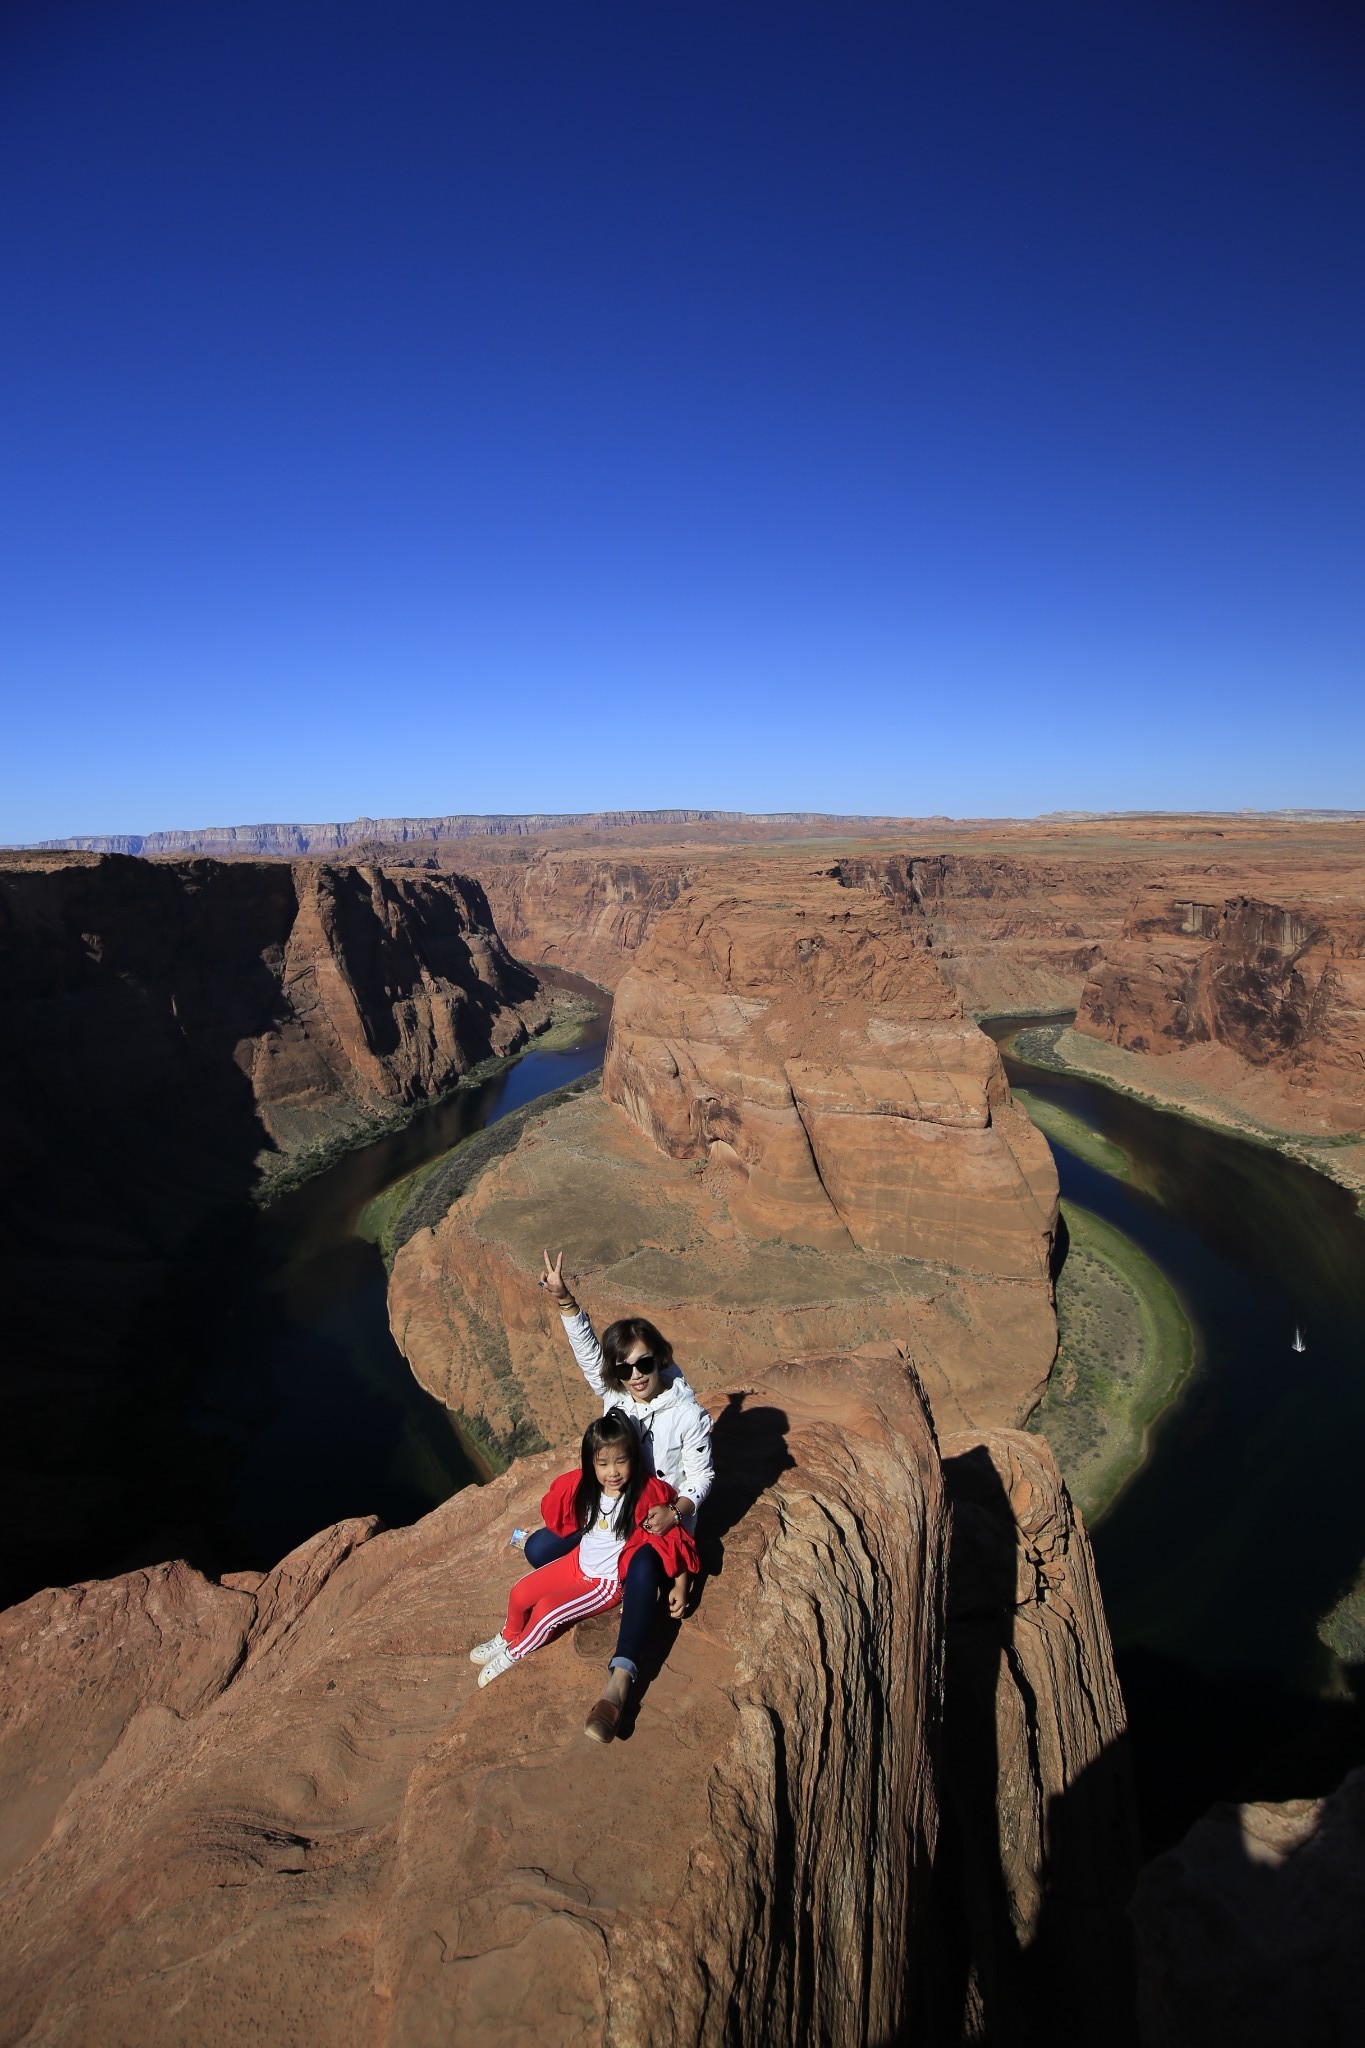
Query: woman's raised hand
{"type": "Point", "coordinates": [553, 1279]}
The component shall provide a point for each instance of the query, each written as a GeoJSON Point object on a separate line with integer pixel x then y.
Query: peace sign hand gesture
{"type": "Point", "coordinates": [553, 1281]}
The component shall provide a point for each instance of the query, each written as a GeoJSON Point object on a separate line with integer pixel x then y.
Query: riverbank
{"type": "Point", "coordinates": [421, 1199]}
{"type": "Point", "coordinates": [1063, 1050]}
{"type": "Point", "coordinates": [568, 1016]}
{"type": "Point", "coordinates": [1060, 1127]}
{"type": "Point", "coordinates": [1124, 1346]}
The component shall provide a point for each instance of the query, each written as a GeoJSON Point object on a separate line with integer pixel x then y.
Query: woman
{"type": "Point", "coordinates": [632, 1370]}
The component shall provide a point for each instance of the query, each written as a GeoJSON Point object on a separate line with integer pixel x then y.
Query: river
{"type": "Point", "coordinates": [298, 1408]}
{"type": "Point", "coordinates": [1247, 1518]}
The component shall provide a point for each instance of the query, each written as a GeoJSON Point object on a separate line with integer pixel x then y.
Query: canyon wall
{"type": "Point", "coordinates": [280, 1808]}
{"type": "Point", "coordinates": [1276, 986]}
{"type": "Point", "coordinates": [172, 1035]}
{"type": "Point", "coordinates": [1011, 934]}
{"type": "Point", "coordinates": [800, 1145]}
{"type": "Point", "coordinates": [581, 911]}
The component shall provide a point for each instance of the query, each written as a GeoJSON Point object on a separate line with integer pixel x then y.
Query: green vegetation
{"type": "Point", "coordinates": [1342, 1628]}
{"type": "Point", "coordinates": [1124, 1346]}
{"type": "Point", "coordinates": [1065, 1128]}
{"type": "Point", "coordinates": [572, 1016]}
{"type": "Point", "coordinates": [1063, 1050]}
{"type": "Point", "coordinates": [421, 1200]}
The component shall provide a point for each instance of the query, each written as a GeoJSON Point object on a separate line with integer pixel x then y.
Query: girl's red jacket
{"type": "Point", "coordinates": [675, 1546]}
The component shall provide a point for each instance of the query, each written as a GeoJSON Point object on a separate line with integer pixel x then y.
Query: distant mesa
{"type": "Point", "coordinates": [291, 841]}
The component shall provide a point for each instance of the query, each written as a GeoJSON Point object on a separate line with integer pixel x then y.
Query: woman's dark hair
{"type": "Point", "coordinates": [619, 1338]}
{"type": "Point", "coordinates": [611, 1428]}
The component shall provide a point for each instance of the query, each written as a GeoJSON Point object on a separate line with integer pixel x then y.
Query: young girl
{"type": "Point", "coordinates": [605, 1507]}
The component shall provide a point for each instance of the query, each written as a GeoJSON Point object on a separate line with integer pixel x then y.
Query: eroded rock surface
{"type": "Point", "coordinates": [1271, 994]}
{"type": "Point", "coordinates": [587, 912]}
{"type": "Point", "coordinates": [800, 1039]}
{"type": "Point", "coordinates": [317, 1829]}
{"type": "Point", "coordinates": [282, 1809]}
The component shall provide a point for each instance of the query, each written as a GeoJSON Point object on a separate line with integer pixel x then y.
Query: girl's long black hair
{"type": "Point", "coordinates": [611, 1428]}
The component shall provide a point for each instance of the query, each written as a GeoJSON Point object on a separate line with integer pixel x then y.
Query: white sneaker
{"type": "Point", "coordinates": [500, 1661]}
{"type": "Point", "coordinates": [481, 1652]}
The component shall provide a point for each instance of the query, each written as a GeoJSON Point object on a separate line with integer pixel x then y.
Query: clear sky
{"type": "Point", "coordinates": [415, 407]}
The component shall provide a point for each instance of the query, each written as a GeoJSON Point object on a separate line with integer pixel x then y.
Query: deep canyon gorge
{"type": "Point", "coordinates": [885, 1763]}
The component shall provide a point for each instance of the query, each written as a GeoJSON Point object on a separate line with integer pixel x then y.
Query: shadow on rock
{"type": "Point", "coordinates": [1038, 1845]}
{"type": "Point", "coordinates": [1248, 1932]}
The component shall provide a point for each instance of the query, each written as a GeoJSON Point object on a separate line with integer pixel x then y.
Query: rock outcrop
{"type": "Point", "coordinates": [805, 1045]}
{"type": "Point", "coordinates": [171, 1036]}
{"type": "Point", "coordinates": [281, 1809]}
{"type": "Point", "coordinates": [1268, 994]}
{"type": "Point", "coordinates": [1248, 1933]}
{"type": "Point", "coordinates": [1038, 1799]}
{"type": "Point", "coordinates": [802, 1147]}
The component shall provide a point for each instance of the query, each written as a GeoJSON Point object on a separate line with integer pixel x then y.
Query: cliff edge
{"type": "Point", "coordinates": [280, 1807]}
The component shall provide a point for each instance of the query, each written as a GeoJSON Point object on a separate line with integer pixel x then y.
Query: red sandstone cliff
{"type": "Point", "coordinates": [802, 1042]}
{"type": "Point", "coordinates": [281, 1809]}
{"type": "Point", "coordinates": [1245, 984]}
{"type": "Point", "coordinates": [586, 912]}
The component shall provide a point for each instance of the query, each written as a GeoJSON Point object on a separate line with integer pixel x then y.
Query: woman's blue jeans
{"type": "Point", "coordinates": [646, 1583]}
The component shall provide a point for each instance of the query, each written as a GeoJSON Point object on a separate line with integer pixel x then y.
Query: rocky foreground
{"type": "Point", "coordinates": [280, 1810]}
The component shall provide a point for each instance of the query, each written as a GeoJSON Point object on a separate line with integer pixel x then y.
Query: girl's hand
{"type": "Point", "coordinates": [677, 1596]}
{"type": "Point", "coordinates": [659, 1520]}
{"type": "Point", "coordinates": [552, 1280]}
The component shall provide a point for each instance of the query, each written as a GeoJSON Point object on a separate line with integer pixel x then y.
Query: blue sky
{"type": "Point", "coordinates": [913, 408]}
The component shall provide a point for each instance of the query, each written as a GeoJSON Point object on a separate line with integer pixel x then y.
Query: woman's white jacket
{"type": "Point", "coordinates": [675, 1429]}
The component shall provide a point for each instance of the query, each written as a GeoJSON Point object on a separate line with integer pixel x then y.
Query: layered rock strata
{"type": "Point", "coordinates": [586, 912]}
{"type": "Point", "coordinates": [281, 1809]}
{"type": "Point", "coordinates": [171, 1036]}
{"type": "Point", "coordinates": [802, 1146]}
{"type": "Point", "coordinates": [1271, 994]}
{"type": "Point", "coordinates": [1010, 935]}
{"type": "Point", "coordinates": [811, 1049]}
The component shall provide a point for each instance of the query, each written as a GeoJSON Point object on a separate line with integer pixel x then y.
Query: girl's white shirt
{"type": "Point", "coordinates": [675, 1430]}
{"type": "Point", "coordinates": [599, 1552]}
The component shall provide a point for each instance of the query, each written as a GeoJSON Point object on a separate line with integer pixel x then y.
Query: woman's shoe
{"type": "Point", "coordinates": [481, 1652]}
{"type": "Point", "coordinates": [603, 1722]}
{"type": "Point", "coordinates": [500, 1661]}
